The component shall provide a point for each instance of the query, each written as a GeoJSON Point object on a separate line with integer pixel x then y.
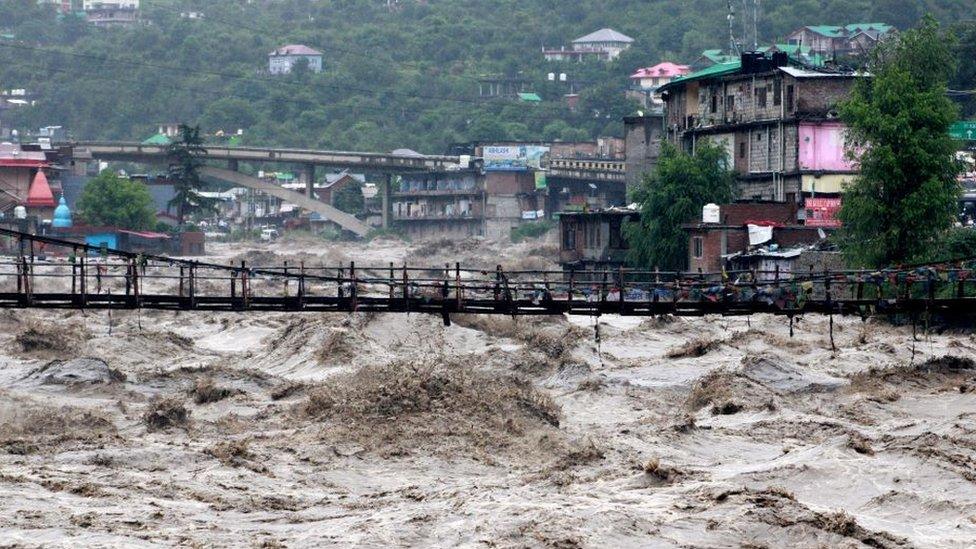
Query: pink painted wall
{"type": "Point", "coordinates": [822, 147]}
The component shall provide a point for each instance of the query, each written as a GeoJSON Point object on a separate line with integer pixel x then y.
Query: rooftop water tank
{"type": "Point", "coordinates": [710, 213]}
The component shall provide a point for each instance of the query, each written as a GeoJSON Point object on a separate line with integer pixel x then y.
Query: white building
{"type": "Point", "coordinates": [111, 12]}
{"type": "Point", "coordinates": [283, 59]}
{"type": "Point", "coordinates": [604, 44]}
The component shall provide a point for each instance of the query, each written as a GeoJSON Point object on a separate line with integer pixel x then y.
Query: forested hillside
{"type": "Point", "coordinates": [405, 76]}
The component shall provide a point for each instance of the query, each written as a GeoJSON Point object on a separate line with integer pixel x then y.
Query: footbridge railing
{"type": "Point", "coordinates": [44, 272]}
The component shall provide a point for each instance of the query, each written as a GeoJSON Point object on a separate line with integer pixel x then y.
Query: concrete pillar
{"type": "Point", "coordinates": [308, 174]}
{"type": "Point", "coordinates": [233, 165]}
{"type": "Point", "coordinates": [387, 192]}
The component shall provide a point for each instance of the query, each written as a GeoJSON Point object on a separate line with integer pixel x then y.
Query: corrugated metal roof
{"type": "Point", "coordinates": [718, 69]}
{"type": "Point", "coordinates": [604, 35]}
{"type": "Point", "coordinates": [295, 49]}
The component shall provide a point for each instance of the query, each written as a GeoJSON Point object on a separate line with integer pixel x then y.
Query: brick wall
{"type": "Point", "coordinates": [509, 183]}
{"type": "Point", "coordinates": [818, 96]}
{"type": "Point", "coordinates": [738, 214]}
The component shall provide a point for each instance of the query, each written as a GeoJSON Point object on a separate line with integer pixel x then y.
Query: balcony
{"type": "Point", "coordinates": [439, 217]}
{"type": "Point", "coordinates": [440, 192]}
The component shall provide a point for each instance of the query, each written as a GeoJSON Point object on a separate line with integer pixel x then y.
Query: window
{"type": "Point", "coordinates": [729, 103]}
{"type": "Point", "coordinates": [777, 93]}
{"type": "Point", "coordinates": [789, 99]}
{"type": "Point", "coordinates": [615, 233]}
{"type": "Point", "coordinates": [569, 237]}
{"type": "Point", "coordinates": [742, 149]}
{"type": "Point", "coordinates": [714, 104]}
{"type": "Point", "coordinates": [761, 98]}
{"type": "Point", "coordinates": [698, 247]}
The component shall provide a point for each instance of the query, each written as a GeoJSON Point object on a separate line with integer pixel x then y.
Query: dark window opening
{"type": "Point", "coordinates": [698, 247]}
{"type": "Point", "coordinates": [777, 93]}
{"type": "Point", "coordinates": [569, 238]}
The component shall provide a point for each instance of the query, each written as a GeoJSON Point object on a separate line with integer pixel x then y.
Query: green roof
{"type": "Point", "coordinates": [880, 27]}
{"type": "Point", "coordinates": [792, 49]}
{"type": "Point", "coordinates": [158, 139]}
{"type": "Point", "coordinates": [718, 56]}
{"type": "Point", "coordinates": [833, 31]}
{"type": "Point", "coordinates": [717, 69]}
{"type": "Point", "coordinates": [533, 97]}
{"type": "Point", "coordinates": [830, 31]}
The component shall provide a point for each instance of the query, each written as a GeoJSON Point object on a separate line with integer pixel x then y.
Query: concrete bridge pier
{"type": "Point", "coordinates": [308, 177]}
{"type": "Point", "coordinates": [233, 165]}
{"type": "Point", "coordinates": [387, 193]}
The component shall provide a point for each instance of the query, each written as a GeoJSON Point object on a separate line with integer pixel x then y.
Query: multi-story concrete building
{"type": "Point", "coordinates": [777, 122]}
{"type": "Point", "coordinates": [449, 204]}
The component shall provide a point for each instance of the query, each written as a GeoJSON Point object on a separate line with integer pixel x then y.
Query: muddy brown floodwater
{"type": "Point", "coordinates": [300, 430]}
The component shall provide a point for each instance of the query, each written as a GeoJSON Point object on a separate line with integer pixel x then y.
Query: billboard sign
{"type": "Point", "coordinates": [822, 212]}
{"type": "Point", "coordinates": [513, 158]}
{"type": "Point", "coordinates": [964, 129]}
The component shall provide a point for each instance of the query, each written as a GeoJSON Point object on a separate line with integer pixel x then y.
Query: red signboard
{"type": "Point", "coordinates": [822, 212]}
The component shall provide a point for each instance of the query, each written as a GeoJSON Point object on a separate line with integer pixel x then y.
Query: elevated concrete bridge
{"type": "Point", "coordinates": [357, 161]}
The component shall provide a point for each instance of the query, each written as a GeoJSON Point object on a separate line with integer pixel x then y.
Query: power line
{"type": "Point", "coordinates": [557, 109]}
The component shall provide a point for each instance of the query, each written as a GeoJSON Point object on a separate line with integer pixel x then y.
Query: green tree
{"type": "Point", "coordinates": [113, 201]}
{"type": "Point", "coordinates": [349, 199]}
{"type": "Point", "coordinates": [184, 154]}
{"type": "Point", "coordinates": [671, 195]}
{"type": "Point", "coordinates": [904, 199]}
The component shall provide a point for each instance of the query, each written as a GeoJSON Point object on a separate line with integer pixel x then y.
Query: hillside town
{"type": "Point", "coordinates": [420, 273]}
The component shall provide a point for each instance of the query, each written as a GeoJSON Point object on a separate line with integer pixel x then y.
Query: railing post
{"type": "Point", "coordinates": [445, 291]}
{"type": "Point", "coordinates": [406, 289]}
{"type": "Point", "coordinates": [29, 276]}
{"type": "Point", "coordinates": [392, 283]}
{"type": "Point", "coordinates": [620, 275]}
{"type": "Point", "coordinates": [82, 282]}
{"type": "Point", "coordinates": [498, 283]}
{"type": "Point", "coordinates": [285, 275]}
{"type": "Point", "coordinates": [457, 286]}
{"type": "Point", "coordinates": [136, 291]}
{"type": "Point", "coordinates": [245, 287]}
{"type": "Point", "coordinates": [572, 288]}
{"type": "Point", "coordinates": [301, 285]}
{"type": "Point", "coordinates": [193, 286]}
{"type": "Point", "coordinates": [354, 291]}
{"type": "Point", "coordinates": [20, 276]}
{"type": "Point", "coordinates": [603, 288]}
{"type": "Point", "coordinates": [73, 259]}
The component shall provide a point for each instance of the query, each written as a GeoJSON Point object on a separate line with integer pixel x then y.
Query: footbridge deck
{"type": "Point", "coordinates": [59, 274]}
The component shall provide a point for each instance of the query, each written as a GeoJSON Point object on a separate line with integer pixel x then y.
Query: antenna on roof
{"type": "Point", "coordinates": [733, 46]}
{"type": "Point", "coordinates": [755, 25]}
